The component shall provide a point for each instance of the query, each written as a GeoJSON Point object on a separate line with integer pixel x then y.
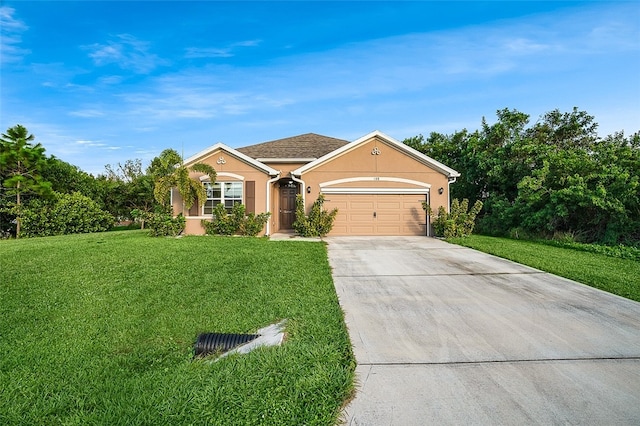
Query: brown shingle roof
{"type": "Point", "coordinates": [309, 145]}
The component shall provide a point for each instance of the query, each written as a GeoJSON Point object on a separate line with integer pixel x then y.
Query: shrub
{"type": "Point", "coordinates": [64, 214]}
{"type": "Point", "coordinates": [318, 223]}
{"type": "Point", "coordinates": [238, 222]}
{"type": "Point", "coordinates": [459, 222]}
{"type": "Point", "coordinates": [253, 224]}
{"type": "Point", "coordinates": [161, 223]}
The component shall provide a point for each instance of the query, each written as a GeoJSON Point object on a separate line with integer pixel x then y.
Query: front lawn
{"type": "Point", "coordinates": [99, 329]}
{"type": "Point", "coordinates": [617, 275]}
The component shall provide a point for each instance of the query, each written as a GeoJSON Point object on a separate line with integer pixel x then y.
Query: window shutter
{"type": "Point", "coordinates": [194, 210]}
{"type": "Point", "coordinates": [250, 196]}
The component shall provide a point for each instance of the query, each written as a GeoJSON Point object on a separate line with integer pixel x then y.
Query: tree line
{"type": "Point", "coordinates": [554, 178]}
{"type": "Point", "coordinates": [42, 195]}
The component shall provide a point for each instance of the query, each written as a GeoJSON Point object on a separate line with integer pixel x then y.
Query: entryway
{"type": "Point", "coordinates": [288, 192]}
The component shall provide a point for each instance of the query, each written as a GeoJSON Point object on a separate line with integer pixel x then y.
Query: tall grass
{"type": "Point", "coordinates": [99, 329]}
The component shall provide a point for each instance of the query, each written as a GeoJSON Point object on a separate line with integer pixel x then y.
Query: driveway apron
{"type": "Point", "coordinates": [444, 334]}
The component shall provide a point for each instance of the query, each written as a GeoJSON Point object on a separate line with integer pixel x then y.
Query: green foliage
{"type": "Point", "coordinates": [169, 176]}
{"type": "Point", "coordinates": [66, 214]}
{"type": "Point", "coordinates": [619, 251]}
{"type": "Point", "coordinates": [128, 188]}
{"type": "Point", "coordinates": [253, 223]}
{"type": "Point", "coordinates": [317, 223]}
{"type": "Point", "coordinates": [67, 178]}
{"type": "Point", "coordinates": [555, 176]}
{"type": "Point", "coordinates": [162, 223]}
{"type": "Point", "coordinates": [222, 223]}
{"type": "Point", "coordinates": [459, 222]}
{"type": "Point", "coordinates": [235, 223]}
{"type": "Point", "coordinates": [21, 164]}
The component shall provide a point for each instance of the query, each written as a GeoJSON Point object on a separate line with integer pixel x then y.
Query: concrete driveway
{"type": "Point", "coordinates": [447, 335]}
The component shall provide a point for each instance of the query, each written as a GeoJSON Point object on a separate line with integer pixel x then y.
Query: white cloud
{"type": "Point", "coordinates": [207, 52]}
{"type": "Point", "coordinates": [432, 65]}
{"type": "Point", "coordinates": [87, 113]}
{"type": "Point", "coordinates": [218, 52]}
{"type": "Point", "coordinates": [11, 30]}
{"type": "Point", "coordinates": [90, 143]}
{"type": "Point", "coordinates": [127, 52]}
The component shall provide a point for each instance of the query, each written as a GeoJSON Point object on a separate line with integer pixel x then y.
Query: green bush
{"type": "Point", "coordinates": [253, 224]}
{"type": "Point", "coordinates": [64, 214]}
{"type": "Point", "coordinates": [236, 223]}
{"type": "Point", "coordinates": [162, 223]}
{"type": "Point", "coordinates": [459, 222]}
{"type": "Point", "coordinates": [318, 223]}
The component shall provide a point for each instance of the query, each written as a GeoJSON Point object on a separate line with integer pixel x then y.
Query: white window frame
{"type": "Point", "coordinates": [229, 202]}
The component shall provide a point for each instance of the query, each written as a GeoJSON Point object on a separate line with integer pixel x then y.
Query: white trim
{"type": "Point", "coordinates": [226, 174]}
{"type": "Point", "coordinates": [220, 146]}
{"type": "Point", "coordinates": [450, 181]}
{"type": "Point", "coordinates": [396, 191]}
{"type": "Point", "coordinates": [269, 183]}
{"type": "Point", "coordinates": [303, 189]}
{"type": "Point", "coordinates": [287, 160]}
{"type": "Point", "coordinates": [374, 179]}
{"type": "Point", "coordinates": [417, 155]}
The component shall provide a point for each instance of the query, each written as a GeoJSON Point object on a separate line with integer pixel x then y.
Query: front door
{"type": "Point", "coordinates": [288, 192]}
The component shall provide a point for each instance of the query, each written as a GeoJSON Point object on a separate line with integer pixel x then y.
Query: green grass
{"type": "Point", "coordinates": [99, 329]}
{"type": "Point", "coordinates": [616, 275]}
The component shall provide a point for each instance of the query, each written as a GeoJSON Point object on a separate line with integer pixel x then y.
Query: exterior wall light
{"type": "Point", "coordinates": [441, 190]}
{"type": "Point", "coordinates": [308, 190]}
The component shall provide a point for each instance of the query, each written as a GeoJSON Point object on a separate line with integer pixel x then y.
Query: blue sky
{"type": "Point", "coordinates": [102, 82]}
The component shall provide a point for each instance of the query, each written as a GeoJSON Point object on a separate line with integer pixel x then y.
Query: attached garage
{"type": "Point", "coordinates": [378, 213]}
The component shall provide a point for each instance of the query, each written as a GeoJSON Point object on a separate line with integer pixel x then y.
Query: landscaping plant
{"type": "Point", "coordinates": [161, 223]}
{"type": "Point", "coordinates": [459, 222]}
{"type": "Point", "coordinates": [318, 222]}
{"type": "Point", "coordinates": [65, 214]}
{"type": "Point", "coordinates": [235, 223]}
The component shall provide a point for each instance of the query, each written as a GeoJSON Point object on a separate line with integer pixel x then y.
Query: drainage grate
{"type": "Point", "coordinates": [217, 343]}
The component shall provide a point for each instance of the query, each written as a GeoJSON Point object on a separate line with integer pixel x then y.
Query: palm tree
{"type": "Point", "coordinates": [169, 174]}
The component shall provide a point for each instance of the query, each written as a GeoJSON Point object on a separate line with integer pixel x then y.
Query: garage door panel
{"type": "Point", "coordinates": [389, 230]}
{"type": "Point", "coordinates": [396, 214]}
{"type": "Point", "coordinates": [339, 229]}
{"type": "Point", "coordinates": [360, 217]}
{"type": "Point", "coordinates": [389, 217]}
{"type": "Point", "coordinates": [340, 205]}
{"type": "Point", "coordinates": [413, 214]}
{"type": "Point", "coordinates": [361, 230]}
{"type": "Point", "coordinates": [389, 205]}
{"type": "Point", "coordinates": [361, 205]}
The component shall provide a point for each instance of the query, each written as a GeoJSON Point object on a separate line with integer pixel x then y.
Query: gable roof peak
{"type": "Point", "coordinates": [417, 155]}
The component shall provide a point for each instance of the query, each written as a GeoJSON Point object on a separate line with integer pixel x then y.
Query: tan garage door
{"type": "Point", "coordinates": [377, 214]}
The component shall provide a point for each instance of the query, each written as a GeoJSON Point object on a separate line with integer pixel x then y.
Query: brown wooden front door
{"type": "Point", "coordinates": [288, 193]}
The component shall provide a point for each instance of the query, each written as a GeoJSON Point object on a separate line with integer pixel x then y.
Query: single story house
{"type": "Point", "coordinates": [376, 182]}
